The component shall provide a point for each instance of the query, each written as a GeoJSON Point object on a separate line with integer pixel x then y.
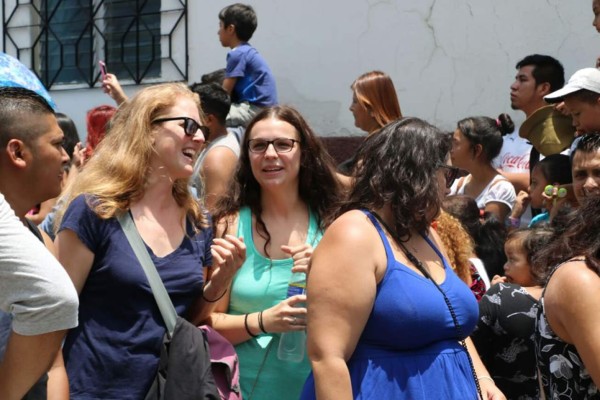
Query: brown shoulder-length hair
{"type": "Point", "coordinates": [398, 167]}
{"type": "Point", "coordinates": [375, 91]}
{"type": "Point", "coordinates": [117, 173]}
{"type": "Point", "coordinates": [318, 186]}
{"type": "Point", "coordinates": [580, 238]}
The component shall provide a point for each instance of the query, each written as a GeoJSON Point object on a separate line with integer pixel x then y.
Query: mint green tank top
{"type": "Point", "coordinates": [262, 283]}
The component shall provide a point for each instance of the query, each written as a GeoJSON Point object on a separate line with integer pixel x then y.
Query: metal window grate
{"type": "Point", "coordinates": [62, 40]}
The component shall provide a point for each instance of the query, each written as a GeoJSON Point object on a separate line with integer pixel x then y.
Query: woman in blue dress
{"type": "Point", "coordinates": [387, 317]}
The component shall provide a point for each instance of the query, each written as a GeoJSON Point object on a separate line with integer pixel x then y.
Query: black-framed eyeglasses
{"type": "Point", "coordinates": [281, 145]}
{"type": "Point", "coordinates": [450, 173]}
{"type": "Point", "coordinates": [190, 127]}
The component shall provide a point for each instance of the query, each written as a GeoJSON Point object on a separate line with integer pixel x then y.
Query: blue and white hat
{"type": "Point", "coordinates": [14, 74]}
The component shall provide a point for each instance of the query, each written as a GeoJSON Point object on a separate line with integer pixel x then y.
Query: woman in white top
{"type": "Point", "coordinates": [477, 141]}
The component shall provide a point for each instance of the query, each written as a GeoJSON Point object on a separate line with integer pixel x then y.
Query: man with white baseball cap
{"type": "Point", "coordinates": [581, 96]}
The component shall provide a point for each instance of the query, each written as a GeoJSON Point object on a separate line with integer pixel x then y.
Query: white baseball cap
{"type": "Point", "coordinates": [586, 78]}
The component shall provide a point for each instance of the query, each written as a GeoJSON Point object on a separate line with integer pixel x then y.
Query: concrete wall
{"type": "Point", "coordinates": [448, 58]}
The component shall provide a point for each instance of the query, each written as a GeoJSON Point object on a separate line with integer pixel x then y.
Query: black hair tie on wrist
{"type": "Point", "coordinates": [215, 300]}
{"type": "Point", "coordinates": [247, 327]}
{"type": "Point", "coordinates": [260, 322]}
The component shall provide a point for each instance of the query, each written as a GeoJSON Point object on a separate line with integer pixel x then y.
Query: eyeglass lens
{"type": "Point", "coordinates": [281, 145]}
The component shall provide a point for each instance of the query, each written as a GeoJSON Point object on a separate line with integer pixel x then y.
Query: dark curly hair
{"type": "Point", "coordinates": [579, 238]}
{"type": "Point", "coordinates": [398, 167]}
{"type": "Point", "coordinates": [487, 232]}
{"type": "Point", "coordinates": [532, 241]}
{"type": "Point", "coordinates": [318, 185]}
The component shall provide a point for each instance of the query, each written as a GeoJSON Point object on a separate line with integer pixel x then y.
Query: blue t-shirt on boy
{"type": "Point", "coordinates": [255, 82]}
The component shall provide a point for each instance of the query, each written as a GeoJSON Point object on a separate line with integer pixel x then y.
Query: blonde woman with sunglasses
{"type": "Point", "coordinates": [142, 167]}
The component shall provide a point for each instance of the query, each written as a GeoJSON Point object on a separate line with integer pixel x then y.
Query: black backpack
{"type": "Point", "coordinates": [184, 370]}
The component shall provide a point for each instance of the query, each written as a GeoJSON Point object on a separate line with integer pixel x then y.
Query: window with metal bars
{"type": "Point", "coordinates": [63, 40]}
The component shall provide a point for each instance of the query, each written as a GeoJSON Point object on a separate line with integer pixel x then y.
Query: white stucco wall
{"type": "Point", "coordinates": [448, 58]}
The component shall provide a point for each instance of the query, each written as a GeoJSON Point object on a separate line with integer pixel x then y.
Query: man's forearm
{"type": "Point", "coordinates": [25, 360]}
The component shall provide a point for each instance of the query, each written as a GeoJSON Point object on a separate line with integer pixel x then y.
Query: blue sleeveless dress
{"type": "Point", "coordinates": [409, 347]}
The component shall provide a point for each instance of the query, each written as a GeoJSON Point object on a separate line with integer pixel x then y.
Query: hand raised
{"type": "Point", "coordinates": [301, 255]}
{"type": "Point", "coordinates": [522, 201]}
{"type": "Point", "coordinates": [228, 255]}
{"type": "Point", "coordinates": [112, 87]}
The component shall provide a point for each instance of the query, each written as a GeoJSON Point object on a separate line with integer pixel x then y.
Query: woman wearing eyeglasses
{"type": "Point", "coordinates": [476, 142]}
{"type": "Point", "coordinates": [142, 167]}
{"type": "Point", "coordinates": [272, 217]}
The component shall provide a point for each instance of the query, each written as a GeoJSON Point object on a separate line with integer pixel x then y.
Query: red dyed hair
{"type": "Point", "coordinates": [97, 121]}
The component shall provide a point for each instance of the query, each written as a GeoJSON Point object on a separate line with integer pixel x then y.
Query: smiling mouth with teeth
{"type": "Point", "coordinates": [189, 153]}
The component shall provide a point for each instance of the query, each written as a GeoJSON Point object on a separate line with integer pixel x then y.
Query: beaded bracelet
{"type": "Point", "coordinates": [247, 327]}
{"type": "Point", "coordinates": [215, 300]}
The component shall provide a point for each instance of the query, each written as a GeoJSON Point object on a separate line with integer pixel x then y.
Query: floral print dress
{"type": "Point", "coordinates": [504, 340]}
{"type": "Point", "coordinates": [562, 372]}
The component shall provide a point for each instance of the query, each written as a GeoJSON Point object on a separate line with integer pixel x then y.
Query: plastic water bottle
{"type": "Point", "coordinates": [292, 344]}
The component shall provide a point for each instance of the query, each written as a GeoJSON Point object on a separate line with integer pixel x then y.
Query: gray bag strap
{"type": "Point", "coordinates": [165, 305]}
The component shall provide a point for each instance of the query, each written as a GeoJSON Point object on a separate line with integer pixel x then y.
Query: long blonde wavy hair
{"type": "Point", "coordinates": [117, 174]}
{"type": "Point", "coordinates": [458, 244]}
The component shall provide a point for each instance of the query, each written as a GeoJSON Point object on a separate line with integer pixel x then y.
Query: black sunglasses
{"type": "Point", "coordinates": [450, 173]}
{"type": "Point", "coordinates": [281, 145]}
{"type": "Point", "coordinates": [190, 127]}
